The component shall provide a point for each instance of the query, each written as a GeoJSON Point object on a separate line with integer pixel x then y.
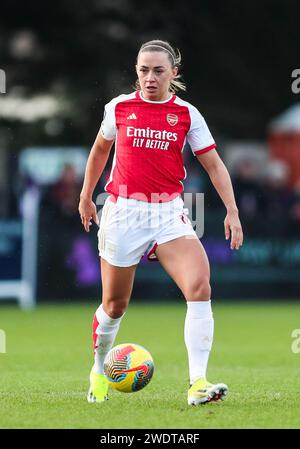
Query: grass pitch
{"type": "Point", "coordinates": [44, 373]}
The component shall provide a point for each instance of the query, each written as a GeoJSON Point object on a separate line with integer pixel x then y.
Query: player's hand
{"type": "Point", "coordinates": [233, 229]}
{"type": "Point", "coordinates": [88, 212]}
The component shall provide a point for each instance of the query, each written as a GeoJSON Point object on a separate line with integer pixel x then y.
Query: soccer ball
{"type": "Point", "coordinates": [128, 367]}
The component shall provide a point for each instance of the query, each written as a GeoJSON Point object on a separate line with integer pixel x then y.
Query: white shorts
{"type": "Point", "coordinates": [129, 228]}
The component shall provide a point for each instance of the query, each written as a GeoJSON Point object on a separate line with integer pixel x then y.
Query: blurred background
{"type": "Point", "coordinates": [62, 61]}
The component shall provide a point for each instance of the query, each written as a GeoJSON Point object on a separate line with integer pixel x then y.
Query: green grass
{"type": "Point", "coordinates": [44, 374]}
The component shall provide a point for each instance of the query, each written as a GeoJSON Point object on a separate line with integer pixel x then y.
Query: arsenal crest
{"type": "Point", "coordinates": [172, 119]}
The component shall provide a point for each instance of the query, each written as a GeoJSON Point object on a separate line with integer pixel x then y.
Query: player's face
{"type": "Point", "coordinates": [155, 73]}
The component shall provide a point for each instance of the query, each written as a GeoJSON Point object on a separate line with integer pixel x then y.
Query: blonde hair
{"type": "Point", "coordinates": [174, 57]}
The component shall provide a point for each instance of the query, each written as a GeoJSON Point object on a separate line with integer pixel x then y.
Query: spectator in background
{"type": "Point", "coordinates": [294, 212]}
{"type": "Point", "coordinates": [193, 184]}
{"type": "Point", "coordinates": [65, 258]}
{"type": "Point", "coordinates": [64, 194]}
{"type": "Point", "coordinates": [249, 193]}
{"type": "Point", "coordinates": [278, 198]}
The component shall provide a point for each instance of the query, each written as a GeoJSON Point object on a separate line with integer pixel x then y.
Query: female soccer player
{"type": "Point", "coordinates": [145, 210]}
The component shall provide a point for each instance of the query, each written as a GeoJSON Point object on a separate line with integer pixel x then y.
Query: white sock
{"type": "Point", "coordinates": [198, 337]}
{"type": "Point", "coordinates": [105, 330]}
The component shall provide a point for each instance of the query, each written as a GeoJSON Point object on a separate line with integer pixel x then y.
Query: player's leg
{"type": "Point", "coordinates": [185, 260]}
{"type": "Point", "coordinates": [117, 283]}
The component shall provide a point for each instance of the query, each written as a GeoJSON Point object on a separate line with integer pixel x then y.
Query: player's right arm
{"type": "Point", "coordinates": [94, 168]}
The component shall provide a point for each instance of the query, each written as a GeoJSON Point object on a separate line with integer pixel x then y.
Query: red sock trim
{"type": "Point", "coordinates": [95, 325]}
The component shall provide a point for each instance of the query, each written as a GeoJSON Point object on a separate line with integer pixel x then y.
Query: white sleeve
{"type": "Point", "coordinates": [108, 125]}
{"type": "Point", "coordinates": [199, 136]}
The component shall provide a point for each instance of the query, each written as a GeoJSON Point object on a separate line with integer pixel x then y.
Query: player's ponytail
{"type": "Point", "coordinates": [174, 58]}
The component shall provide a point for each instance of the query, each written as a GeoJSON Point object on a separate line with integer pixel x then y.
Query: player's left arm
{"type": "Point", "coordinates": [221, 180]}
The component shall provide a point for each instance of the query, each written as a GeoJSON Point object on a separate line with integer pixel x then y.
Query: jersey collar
{"type": "Point", "coordinates": [169, 100]}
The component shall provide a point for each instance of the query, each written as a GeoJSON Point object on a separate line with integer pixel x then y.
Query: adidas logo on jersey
{"type": "Point", "coordinates": [132, 116]}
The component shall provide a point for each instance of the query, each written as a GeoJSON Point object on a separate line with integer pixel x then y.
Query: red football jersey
{"type": "Point", "coordinates": [149, 140]}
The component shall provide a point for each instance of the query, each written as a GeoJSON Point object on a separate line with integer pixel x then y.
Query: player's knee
{"type": "Point", "coordinates": [199, 290]}
{"type": "Point", "coordinates": [115, 308]}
